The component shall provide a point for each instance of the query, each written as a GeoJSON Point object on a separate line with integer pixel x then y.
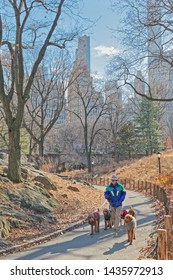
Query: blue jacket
{"type": "Point", "coordinates": [115, 194]}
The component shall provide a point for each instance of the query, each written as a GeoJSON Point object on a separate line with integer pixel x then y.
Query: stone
{"type": "Point", "coordinates": [4, 227]}
{"type": "Point", "coordinates": [46, 182]}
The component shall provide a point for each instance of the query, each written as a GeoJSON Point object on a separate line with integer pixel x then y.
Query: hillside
{"type": "Point", "coordinates": [144, 169]}
{"type": "Point", "coordinates": [46, 202]}
{"type": "Point", "coordinates": [147, 169]}
{"type": "Point", "coordinates": [42, 204]}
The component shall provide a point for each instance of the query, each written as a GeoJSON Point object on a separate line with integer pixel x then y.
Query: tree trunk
{"type": "Point", "coordinates": [14, 150]}
{"type": "Point", "coordinates": [32, 150]}
{"type": "Point", "coordinates": [41, 147]}
{"type": "Point", "coordinates": [89, 162]}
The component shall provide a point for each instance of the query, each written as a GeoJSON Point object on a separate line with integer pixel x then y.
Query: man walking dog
{"type": "Point", "coordinates": [115, 194]}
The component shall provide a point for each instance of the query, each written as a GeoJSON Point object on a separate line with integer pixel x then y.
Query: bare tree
{"type": "Point", "coordinates": [68, 137]}
{"type": "Point", "coordinates": [117, 118]}
{"type": "Point", "coordinates": [86, 107]}
{"type": "Point", "coordinates": [22, 32]}
{"type": "Point", "coordinates": [47, 98]}
{"type": "Point", "coordinates": [3, 131]}
{"type": "Point", "coordinates": [146, 37]}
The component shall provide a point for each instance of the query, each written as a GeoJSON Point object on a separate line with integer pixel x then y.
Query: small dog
{"type": "Point", "coordinates": [94, 221]}
{"type": "Point", "coordinates": [122, 217]}
{"type": "Point", "coordinates": [131, 227]}
{"type": "Point", "coordinates": [108, 218]}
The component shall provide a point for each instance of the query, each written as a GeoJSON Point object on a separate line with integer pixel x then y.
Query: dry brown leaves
{"type": "Point", "coordinates": [150, 251]}
{"type": "Point", "coordinates": [75, 205]}
{"type": "Point", "coordinates": [147, 169]}
{"type": "Point", "coordinates": [74, 202]}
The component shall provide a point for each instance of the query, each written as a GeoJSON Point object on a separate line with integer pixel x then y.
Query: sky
{"type": "Point", "coordinates": [102, 42]}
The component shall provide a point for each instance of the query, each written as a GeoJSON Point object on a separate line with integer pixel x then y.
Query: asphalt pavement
{"type": "Point", "coordinates": [78, 244]}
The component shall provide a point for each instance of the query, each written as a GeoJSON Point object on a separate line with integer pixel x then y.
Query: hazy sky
{"type": "Point", "coordinates": [103, 45]}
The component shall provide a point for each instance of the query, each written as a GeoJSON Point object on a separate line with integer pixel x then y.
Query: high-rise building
{"type": "Point", "coordinates": [160, 71]}
{"type": "Point", "coordinates": [139, 84]}
{"type": "Point", "coordinates": [83, 84]}
{"type": "Point", "coordinates": [82, 96]}
{"type": "Point", "coordinates": [160, 53]}
{"type": "Point", "coordinates": [112, 92]}
{"type": "Point", "coordinates": [83, 52]}
{"type": "Point", "coordinates": [154, 47]}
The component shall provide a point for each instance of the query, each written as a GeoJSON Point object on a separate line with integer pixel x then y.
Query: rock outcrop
{"type": "Point", "coordinates": [27, 203]}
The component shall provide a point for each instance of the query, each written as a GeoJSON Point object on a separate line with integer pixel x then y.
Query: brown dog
{"type": "Point", "coordinates": [131, 227]}
{"type": "Point", "coordinates": [108, 218]}
{"type": "Point", "coordinates": [94, 221]}
{"type": "Point", "coordinates": [132, 212]}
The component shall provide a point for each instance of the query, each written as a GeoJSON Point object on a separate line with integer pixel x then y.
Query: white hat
{"type": "Point", "coordinates": [114, 178]}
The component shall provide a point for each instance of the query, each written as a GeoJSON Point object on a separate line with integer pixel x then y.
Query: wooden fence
{"type": "Point", "coordinates": [164, 246]}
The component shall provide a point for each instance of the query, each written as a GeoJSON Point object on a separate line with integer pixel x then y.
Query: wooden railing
{"type": "Point", "coordinates": [165, 234]}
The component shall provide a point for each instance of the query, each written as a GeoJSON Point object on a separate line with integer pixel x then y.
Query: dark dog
{"type": "Point", "coordinates": [131, 227]}
{"type": "Point", "coordinates": [94, 221]}
{"type": "Point", "coordinates": [122, 217]}
{"type": "Point", "coordinates": [107, 218]}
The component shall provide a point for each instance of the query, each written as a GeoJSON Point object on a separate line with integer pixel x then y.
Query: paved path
{"type": "Point", "coordinates": [78, 244]}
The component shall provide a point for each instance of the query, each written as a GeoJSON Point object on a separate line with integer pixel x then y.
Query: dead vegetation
{"type": "Point", "coordinates": [75, 200]}
{"type": "Point", "coordinates": [147, 169]}
{"type": "Point", "coordinates": [71, 202]}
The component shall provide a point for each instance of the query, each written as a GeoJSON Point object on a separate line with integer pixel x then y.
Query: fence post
{"type": "Point", "coordinates": [150, 188]}
{"type": "Point", "coordinates": [161, 195]}
{"type": "Point", "coordinates": [154, 190]}
{"type": "Point", "coordinates": [133, 188]}
{"type": "Point", "coordinates": [167, 222]}
{"type": "Point", "coordinates": [162, 244]}
{"type": "Point", "coordinates": [157, 192]}
{"type": "Point", "coordinates": [166, 201]}
{"type": "Point", "coordinates": [138, 186]}
{"type": "Point", "coordinates": [129, 184]}
{"type": "Point", "coordinates": [132, 184]}
{"type": "Point", "coordinates": [171, 214]}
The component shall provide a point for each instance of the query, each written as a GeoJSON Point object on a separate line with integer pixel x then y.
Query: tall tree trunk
{"type": "Point", "coordinates": [88, 154]}
{"type": "Point", "coordinates": [14, 166]}
{"type": "Point", "coordinates": [32, 150]}
{"type": "Point", "coordinates": [41, 147]}
{"type": "Point", "coordinates": [89, 162]}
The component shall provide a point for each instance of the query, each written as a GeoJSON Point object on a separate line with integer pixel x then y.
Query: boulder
{"type": "Point", "coordinates": [46, 182]}
{"type": "Point", "coordinates": [4, 228]}
{"type": "Point", "coordinates": [74, 189]}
